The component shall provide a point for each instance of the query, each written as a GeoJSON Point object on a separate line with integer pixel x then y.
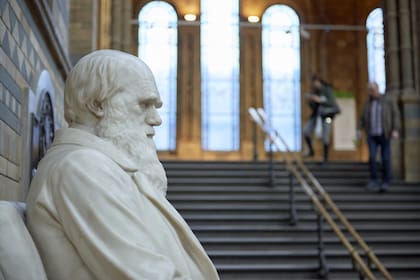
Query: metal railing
{"type": "Point", "coordinates": [296, 167]}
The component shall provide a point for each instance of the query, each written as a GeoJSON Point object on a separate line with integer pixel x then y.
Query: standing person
{"type": "Point", "coordinates": [322, 102]}
{"type": "Point", "coordinates": [97, 206]}
{"type": "Point", "coordinates": [380, 119]}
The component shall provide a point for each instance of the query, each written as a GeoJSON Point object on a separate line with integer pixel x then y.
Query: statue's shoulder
{"type": "Point", "coordinates": [71, 158]}
{"type": "Point", "coordinates": [73, 149]}
{"type": "Point", "coordinates": [84, 156]}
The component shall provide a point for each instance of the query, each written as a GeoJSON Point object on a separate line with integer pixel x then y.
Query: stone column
{"type": "Point", "coordinates": [410, 101]}
{"type": "Point", "coordinates": [83, 28]}
{"type": "Point", "coordinates": [104, 28]}
{"type": "Point", "coordinates": [406, 48]}
{"type": "Point", "coordinates": [251, 89]}
{"type": "Point", "coordinates": [393, 73]}
{"type": "Point", "coordinates": [391, 48]}
{"type": "Point", "coordinates": [121, 25]}
{"type": "Point", "coordinates": [415, 14]}
{"type": "Point", "coordinates": [189, 92]}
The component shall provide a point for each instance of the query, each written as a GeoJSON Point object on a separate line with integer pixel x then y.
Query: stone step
{"type": "Point", "coordinates": [395, 188]}
{"type": "Point", "coordinates": [260, 181]}
{"type": "Point", "coordinates": [244, 224]}
{"type": "Point", "coordinates": [305, 230]}
{"type": "Point", "coordinates": [284, 207]}
{"type": "Point", "coordinates": [259, 173]}
{"type": "Point", "coordinates": [306, 257]}
{"type": "Point", "coordinates": [301, 196]}
{"type": "Point", "coordinates": [278, 271]}
{"type": "Point", "coordinates": [206, 165]}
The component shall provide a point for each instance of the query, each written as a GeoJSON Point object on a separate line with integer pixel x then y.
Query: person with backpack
{"type": "Point", "coordinates": [324, 107]}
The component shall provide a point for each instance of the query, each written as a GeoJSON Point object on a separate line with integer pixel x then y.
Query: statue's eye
{"type": "Point", "coordinates": [146, 104]}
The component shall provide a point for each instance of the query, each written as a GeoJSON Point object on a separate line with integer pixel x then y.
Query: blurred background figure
{"type": "Point", "coordinates": [324, 107]}
{"type": "Point", "coordinates": [380, 119]}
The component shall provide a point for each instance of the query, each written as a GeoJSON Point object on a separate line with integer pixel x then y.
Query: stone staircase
{"type": "Point", "coordinates": [243, 222]}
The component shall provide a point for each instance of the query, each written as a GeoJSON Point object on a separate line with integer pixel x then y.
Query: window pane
{"type": "Point", "coordinates": [281, 72]}
{"type": "Point", "coordinates": [158, 48]}
{"type": "Point", "coordinates": [375, 48]}
{"type": "Point", "coordinates": [220, 74]}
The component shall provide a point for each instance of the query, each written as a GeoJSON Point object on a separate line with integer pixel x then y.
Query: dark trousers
{"type": "Point", "coordinates": [310, 127]}
{"type": "Point", "coordinates": [374, 142]}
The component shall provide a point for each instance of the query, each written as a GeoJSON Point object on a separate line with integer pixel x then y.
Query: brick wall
{"type": "Point", "coordinates": [24, 55]}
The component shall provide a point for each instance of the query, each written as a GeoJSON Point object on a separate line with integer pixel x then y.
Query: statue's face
{"type": "Point", "coordinates": [139, 102]}
{"type": "Point", "coordinates": [128, 121]}
{"type": "Point", "coordinates": [131, 113]}
{"type": "Point", "coordinates": [129, 118]}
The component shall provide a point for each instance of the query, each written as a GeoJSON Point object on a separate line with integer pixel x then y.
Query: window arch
{"type": "Point", "coordinates": [281, 72]}
{"type": "Point", "coordinates": [157, 46]}
{"type": "Point", "coordinates": [220, 74]}
{"type": "Point", "coordinates": [375, 48]}
{"type": "Point", "coordinates": [43, 120]}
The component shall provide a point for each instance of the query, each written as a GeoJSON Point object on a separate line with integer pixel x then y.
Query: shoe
{"type": "Point", "coordinates": [384, 187]}
{"type": "Point", "coordinates": [372, 186]}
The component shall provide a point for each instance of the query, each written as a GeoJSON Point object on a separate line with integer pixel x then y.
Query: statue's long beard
{"type": "Point", "coordinates": [130, 137]}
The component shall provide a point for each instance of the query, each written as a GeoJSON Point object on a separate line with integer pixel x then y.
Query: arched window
{"type": "Point", "coordinates": [375, 48]}
{"type": "Point", "coordinates": [158, 48]}
{"type": "Point", "coordinates": [281, 72]}
{"type": "Point", "coordinates": [43, 120]}
{"type": "Point", "coordinates": [220, 74]}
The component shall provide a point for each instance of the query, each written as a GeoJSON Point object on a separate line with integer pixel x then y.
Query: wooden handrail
{"type": "Point", "coordinates": [371, 255]}
{"type": "Point", "coordinates": [260, 118]}
{"type": "Point", "coordinates": [353, 252]}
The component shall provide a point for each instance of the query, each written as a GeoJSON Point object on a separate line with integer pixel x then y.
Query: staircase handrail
{"type": "Point", "coordinates": [327, 198]}
{"type": "Point", "coordinates": [324, 194]}
{"type": "Point", "coordinates": [260, 118]}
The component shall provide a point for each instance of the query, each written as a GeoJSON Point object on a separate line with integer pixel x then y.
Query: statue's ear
{"type": "Point", "coordinates": [96, 108]}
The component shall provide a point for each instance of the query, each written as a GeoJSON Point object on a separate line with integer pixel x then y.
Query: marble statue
{"type": "Point", "coordinates": [97, 206]}
{"type": "Point", "coordinates": [19, 258]}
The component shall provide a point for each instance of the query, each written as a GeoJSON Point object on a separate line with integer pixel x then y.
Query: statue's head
{"type": "Point", "coordinates": [113, 95]}
{"type": "Point", "coordinates": [101, 76]}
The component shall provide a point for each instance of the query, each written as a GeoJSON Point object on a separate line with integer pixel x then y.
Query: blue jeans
{"type": "Point", "coordinates": [374, 142]}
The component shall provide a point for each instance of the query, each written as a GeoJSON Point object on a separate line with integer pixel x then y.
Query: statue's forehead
{"type": "Point", "coordinates": [144, 83]}
{"type": "Point", "coordinates": [145, 88]}
{"type": "Point", "coordinates": [137, 77]}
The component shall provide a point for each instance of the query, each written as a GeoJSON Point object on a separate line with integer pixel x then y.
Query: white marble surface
{"type": "Point", "coordinates": [19, 258]}
{"type": "Point", "coordinates": [97, 207]}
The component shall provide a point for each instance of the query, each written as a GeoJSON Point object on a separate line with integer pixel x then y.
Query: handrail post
{"type": "Point", "coordinates": [358, 270]}
{"type": "Point", "coordinates": [272, 175]}
{"type": "Point", "coordinates": [292, 208]}
{"type": "Point", "coordinates": [254, 141]}
{"type": "Point", "coordinates": [323, 267]}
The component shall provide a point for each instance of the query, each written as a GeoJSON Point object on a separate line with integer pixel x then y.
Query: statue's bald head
{"type": "Point", "coordinates": [97, 77]}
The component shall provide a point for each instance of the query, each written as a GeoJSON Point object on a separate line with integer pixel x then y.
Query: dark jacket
{"type": "Point", "coordinates": [390, 116]}
{"type": "Point", "coordinates": [328, 102]}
